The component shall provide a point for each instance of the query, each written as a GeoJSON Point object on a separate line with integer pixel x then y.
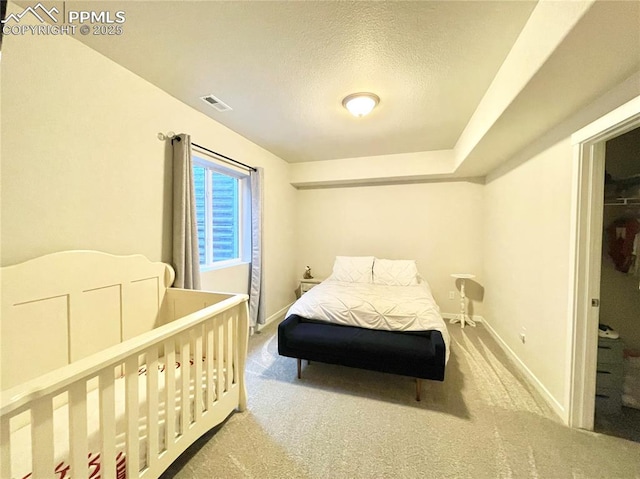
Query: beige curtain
{"type": "Point", "coordinates": [186, 259]}
{"type": "Point", "coordinates": [256, 291]}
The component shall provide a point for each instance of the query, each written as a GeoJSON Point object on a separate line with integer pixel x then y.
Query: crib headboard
{"type": "Point", "coordinates": [64, 306]}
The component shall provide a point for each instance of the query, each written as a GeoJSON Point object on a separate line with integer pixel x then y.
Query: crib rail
{"type": "Point", "coordinates": [164, 412]}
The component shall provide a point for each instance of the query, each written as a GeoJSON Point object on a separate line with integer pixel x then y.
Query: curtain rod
{"type": "Point", "coordinates": [223, 156]}
{"type": "Point", "coordinates": [172, 136]}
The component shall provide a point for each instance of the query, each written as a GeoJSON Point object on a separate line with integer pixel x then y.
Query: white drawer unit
{"type": "Point", "coordinates": [609, 377]}
{"type": "Point", "coordinates": [307, 284]}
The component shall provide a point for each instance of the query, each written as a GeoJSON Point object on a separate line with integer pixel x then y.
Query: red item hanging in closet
{"type": "Point", "coordinates": [621, 234]}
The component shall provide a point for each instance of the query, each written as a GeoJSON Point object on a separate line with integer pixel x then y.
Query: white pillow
{"type": "Point", "coordinates": [353, 269]}
{"type": "Point", "coordinates": [395, 272]}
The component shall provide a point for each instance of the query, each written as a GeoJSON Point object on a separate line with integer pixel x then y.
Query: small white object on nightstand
{"type": "Point", "coordinates": [462, 318]}
{"type": "Point", "coordinates": [307, 283]}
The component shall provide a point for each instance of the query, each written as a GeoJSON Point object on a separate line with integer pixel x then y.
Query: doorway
{"type": "Point", "coordinates": [588, 207]}
{"type": "Point", "coordinates": [617, 408]}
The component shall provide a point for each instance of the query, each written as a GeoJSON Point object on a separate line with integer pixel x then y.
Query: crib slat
{"type": "Point", "coordinates": [242, 344]}
{"type": "Point", "coordinates": [78, 430]}
{"type": "Point", "coordinates": [235, 345]}
{"type": "Point", "coordinates": [184, 377]}
{"type": "Point", "coordinates": [107, 423]}
{"type": "Point", "coordinates": [197, 375]}
{"type": "Point", "coordinates": [228, 357]}
{"type": "Point", "coordinates": [210, 370]}
{"type": "Point", "coordinates": [42, 437]}
{"type": "Point", "coordinates": [133, 413]}
{"type": "Point", "coordinates": [5, 447]}
{"type": "Point", "coordinates": [219, 339]}
{"type": "Point", "coordinates": [152, 406]}
{"type": "Point", "coordinates": [170, 393]}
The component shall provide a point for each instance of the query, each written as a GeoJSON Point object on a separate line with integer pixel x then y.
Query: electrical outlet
{"type": "Point", "coordinates": [452, 295]}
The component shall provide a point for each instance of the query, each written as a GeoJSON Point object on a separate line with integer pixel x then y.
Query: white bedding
{"type": "Point", "coordinates": [373, 306]}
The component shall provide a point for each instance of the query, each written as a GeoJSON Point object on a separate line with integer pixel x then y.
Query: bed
{"type": "Point", "coordinates": [373, 314]}
{"type": "Point", "coordinates": [107, 371]}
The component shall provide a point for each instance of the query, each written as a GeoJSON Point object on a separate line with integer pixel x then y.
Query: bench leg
{"type": "Point", "coordinates": [299, 368]}
{"type": "Point", "coordinates": [418, 388]}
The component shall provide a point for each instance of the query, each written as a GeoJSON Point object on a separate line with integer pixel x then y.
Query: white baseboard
{"type": "Point", "coordinates": [477, 318]}
{"type": "Point", "coordinates": [277, 316]}
{"type": "Point", "coordinates": [544, 392]}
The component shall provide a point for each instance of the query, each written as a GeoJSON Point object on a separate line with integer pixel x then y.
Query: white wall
{"type": "Point", "coordinates": [527, 238]}
{"type": "Point", "coordinates": [374, 169]}
{"type": "Point", "coordinates": [528, 261]}
{"type": "Point", "coordinates": [82, 167]}
{"type": "Point", "coordinates": [439, 224]}
{"type": "Point", "coordinates": [232, 279]}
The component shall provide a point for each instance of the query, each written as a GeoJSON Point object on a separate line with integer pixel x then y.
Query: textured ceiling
{"type": "Point", "coordinates": [284, 67]}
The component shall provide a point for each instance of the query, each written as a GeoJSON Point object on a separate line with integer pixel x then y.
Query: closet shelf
{"type": "Point", "coordinates": [622, 201]}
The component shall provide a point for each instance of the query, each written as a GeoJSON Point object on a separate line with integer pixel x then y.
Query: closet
{"type": "Point", "coordinates": [618, 372]}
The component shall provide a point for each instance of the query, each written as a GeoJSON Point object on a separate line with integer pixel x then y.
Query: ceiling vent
{"type": "Point", "coordinates": [217, 103]}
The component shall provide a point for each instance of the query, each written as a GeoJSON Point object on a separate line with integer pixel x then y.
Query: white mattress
{"type": "Point", "coordinates": [373, 306]}
{"type": "Point", "coordinates": [21, 438]}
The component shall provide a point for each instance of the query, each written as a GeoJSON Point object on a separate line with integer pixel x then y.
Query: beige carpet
{"type": "Point", "coordinates": [484, 421]}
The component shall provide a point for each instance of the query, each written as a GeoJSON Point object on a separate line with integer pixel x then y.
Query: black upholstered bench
{"type": "Point", "coordinates": [418, 354]}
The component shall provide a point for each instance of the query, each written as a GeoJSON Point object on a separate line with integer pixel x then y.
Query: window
{"type": "Point", "coordinates": [219, 193]}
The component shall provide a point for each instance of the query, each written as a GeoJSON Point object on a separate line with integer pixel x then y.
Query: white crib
{"type": "Point", "coordinates": [87, 342]}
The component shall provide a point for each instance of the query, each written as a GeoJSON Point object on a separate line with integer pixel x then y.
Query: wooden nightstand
{"type": "Point", "coordinates": [307, 284]}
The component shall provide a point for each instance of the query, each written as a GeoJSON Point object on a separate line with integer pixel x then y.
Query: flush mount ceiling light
{"type": "Point", "coordinates": [360, 104]}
